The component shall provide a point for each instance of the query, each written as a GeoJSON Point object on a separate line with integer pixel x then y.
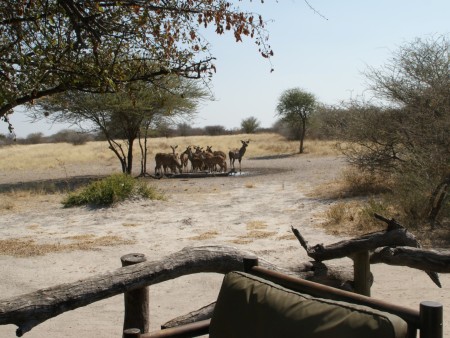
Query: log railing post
{"type": "Point", "coordinates": [431, 316]}
{"type": "Point", "coordinates": [361, 272]}
{"type": "Point", "coordinates": [132, 333]}
{"type": "Point", "coordinates": [137, 313]}
{"type": "Point", "coordinates": [250, 262]}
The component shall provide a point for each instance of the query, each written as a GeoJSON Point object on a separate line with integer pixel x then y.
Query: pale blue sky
{"type": "Point", "coordinates": [324, 57]}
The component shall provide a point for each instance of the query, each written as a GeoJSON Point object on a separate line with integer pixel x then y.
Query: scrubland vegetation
{"type": "Point", "coordinates": [52, 155]}
{"type": "Point", "coordinates": [397, 145]}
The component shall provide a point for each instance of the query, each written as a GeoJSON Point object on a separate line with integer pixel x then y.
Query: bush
{"type": "Point", "coordinates": [35, 138]}
{"type": "Point", "coordinates": [358, 182]}
{"type": "Point", "coordinates": [71, 136]}
{"type": "Point", "coordinates": [250, 125]}
{"type": "Point", "coordinates": [215, 130]}
{"type": "Point", "coordinates": [109, 191]}
{"type": "Point", "coordinates": [356, 217]}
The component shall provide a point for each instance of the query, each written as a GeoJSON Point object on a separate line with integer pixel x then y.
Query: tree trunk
{"type": "Point", "coordinates": [130, 156]}
{"type": "Point", "coordinates": [29, 310]}
{"type": "Point", "coordinates": [144, 151]}
{"type": "Point", "coordinates": [302, 135]}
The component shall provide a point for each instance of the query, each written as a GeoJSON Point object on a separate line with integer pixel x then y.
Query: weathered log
{"type": "Point", "coordinates": [346, 248]}
{"type": "Point", "coordinates": [393, 224]}
{"type": "Point", "coordinates": [394, 235]}
{"type": "Point", "coordinates": [438, 261]}
{"type": "Point", "coordinates": [29, 310]}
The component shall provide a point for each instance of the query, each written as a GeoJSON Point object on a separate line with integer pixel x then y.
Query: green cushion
{"type": "Point", "coordinates": [248, 306]}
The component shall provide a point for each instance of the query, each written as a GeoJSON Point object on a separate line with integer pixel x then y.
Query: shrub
{"type": "Point", "coordinates": [35, 138]}
{"type": "Point", "coordinates": [71, 136]}
{"type": "Point", "coordinates": [250, 125]}
{"type": "Point", "coordinates": [356, 217]}
{"type": "Point", "coordinates": [111, 190]}
{"type": "Point", "coordinates": [215, 130]}
{"type": "Point", "coordinates": [362, 182]}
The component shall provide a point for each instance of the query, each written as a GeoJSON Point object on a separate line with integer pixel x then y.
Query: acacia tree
{"type": "Point", "coordinates": [295, 107]}
{"type": "Point", "coordinates": [52, 46]}
{"type": "Point", "coordinates": [250, 124]}
{"type": "Point", "coordinates": [121, 116]}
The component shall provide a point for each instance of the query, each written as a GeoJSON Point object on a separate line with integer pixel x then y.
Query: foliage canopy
{"type": "Point", "coordinates": [406, 137]}
{"type": "Point", "coordinates": [51, 46]}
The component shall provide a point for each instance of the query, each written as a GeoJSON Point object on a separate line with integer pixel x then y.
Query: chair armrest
{"type": "Point", "coordinates": [187, 330]}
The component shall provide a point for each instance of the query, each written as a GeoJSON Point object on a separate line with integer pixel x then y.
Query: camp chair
{"type": "Point", "coordinates": [261, 303]}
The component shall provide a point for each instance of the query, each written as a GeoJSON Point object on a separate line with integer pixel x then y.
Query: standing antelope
{"type": "Point", "coordinates": [211, 162]}
{"type": "Point", "coordinates": [217, 152]}
{"type": "Point", "coordinates": [237, 154]}
{"type": "Point", "coordinates": [173, 150]}
{"type": "Point", "coordinates": [184, 157]}
{"type": "Point", "coordinates": [167, 160]}
{"type": "Point", "coordinates": [196, 161]}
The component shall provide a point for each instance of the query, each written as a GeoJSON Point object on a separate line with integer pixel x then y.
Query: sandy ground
{"type": "Point", "coordinates": [253, 211]}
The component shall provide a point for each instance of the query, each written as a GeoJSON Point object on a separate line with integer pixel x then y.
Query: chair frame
{"type": "Point", "coordinates": [428, 320]}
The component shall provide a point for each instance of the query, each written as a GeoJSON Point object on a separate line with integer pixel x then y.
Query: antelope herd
{"type": "Point", "coordinates": [201, 160]}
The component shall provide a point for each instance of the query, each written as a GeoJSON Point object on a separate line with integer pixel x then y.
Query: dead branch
{"type": "Point", "coordinates": [390, 237]}
{"type": "Point", "coordinates": [395, 235]}
{"type": "Point", "coordinates": [427, 260]}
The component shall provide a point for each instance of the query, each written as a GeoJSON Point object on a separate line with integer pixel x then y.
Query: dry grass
{"type": "Point", "coordinates": [24, 247]}
{"type": "Point", "coordinates": [286, 237]}
{"type": "Point", "coordinates": [130, 225]}
{"type": "Point", "coordinates": [241, 241]}
{"type": "Point", "coordinates": [17, 200]}
{"type": "Point", "coordinates": [254, 232]}
{"type": "Point", "coordinates": [60, 155]}
{"type": "Point", "coordinates": [205, 236]}
{"type": "Point", "coordinates": [352, 183]}
{"type": "Point", "coordinates": [258, 234]}
{"type": "Point", "coordinates": [355, 217]}
{"type": "Point", "coordinates": [321, 148]}
{"type": "Point", "coordinates": [253, 235]}
{"type": "Point", "coordinates": [54, 155]}
{"type": "Point", "coordinates": [256, 225]}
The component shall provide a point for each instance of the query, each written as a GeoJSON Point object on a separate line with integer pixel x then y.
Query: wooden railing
{"type": "Point", "coordinates": [136, 275]}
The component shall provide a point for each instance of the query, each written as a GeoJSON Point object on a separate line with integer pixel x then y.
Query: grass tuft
{"type": "Point", "coordinates": [111, 190]}
{"type": "Point", "coordinates": [355, 217]}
